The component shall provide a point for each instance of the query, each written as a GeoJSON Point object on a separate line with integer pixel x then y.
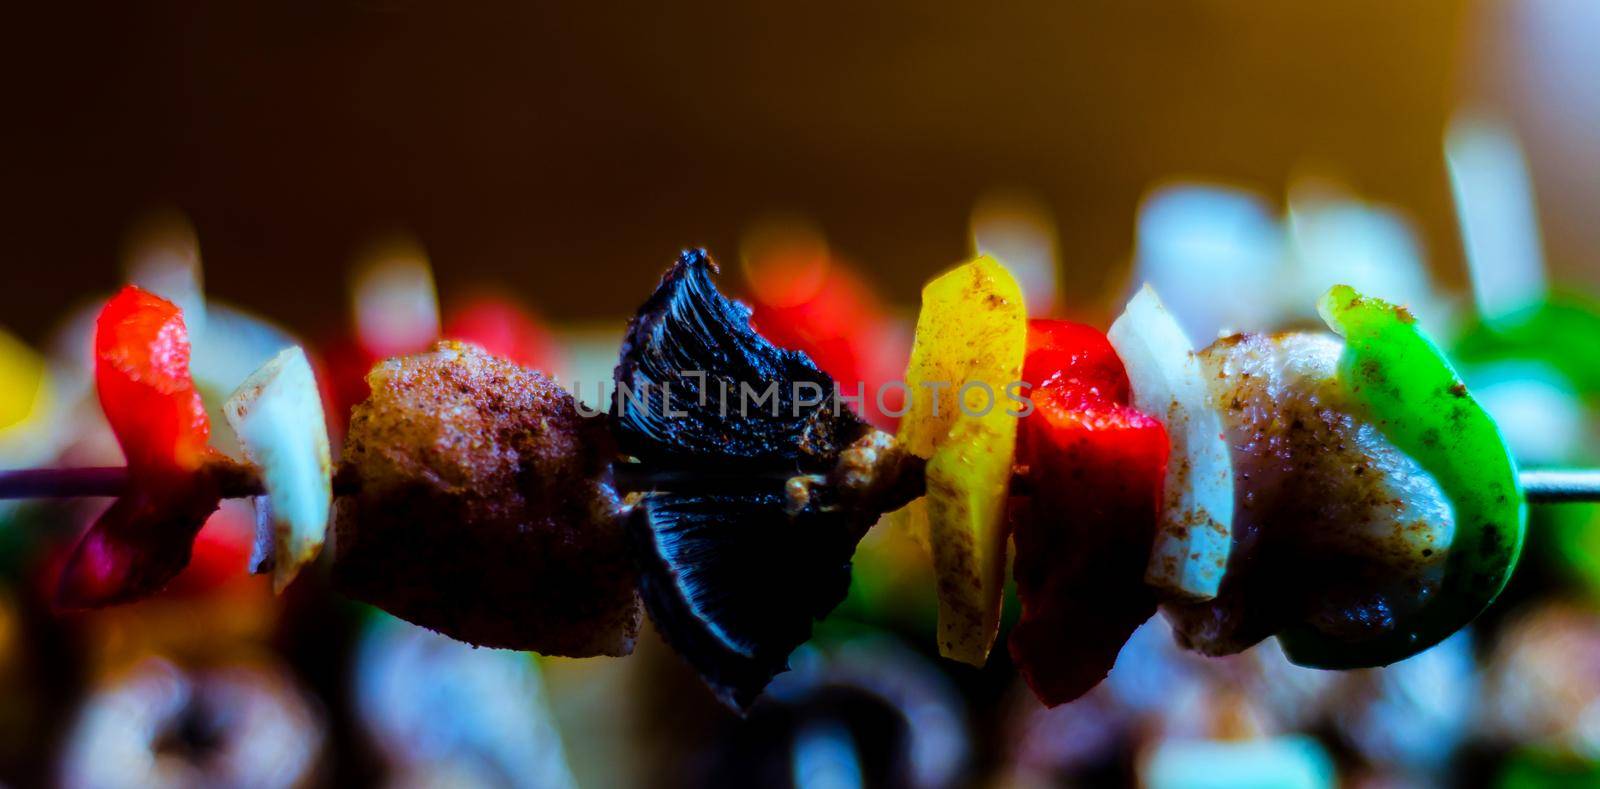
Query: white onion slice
{"type": "Point", "coordinates": [277, 416]}
{"type": "Point", "coordinates": [1195, 532]}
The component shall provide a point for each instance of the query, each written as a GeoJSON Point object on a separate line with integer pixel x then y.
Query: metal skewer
{"type": "Point", "coordinates": [1542, 486]}
{"type": "Point", "coordinates": [58, 483]}
{"type": "Point", "coordinates": [234, 480]}
{"type": "Point", "coordinates": [1558, 486]}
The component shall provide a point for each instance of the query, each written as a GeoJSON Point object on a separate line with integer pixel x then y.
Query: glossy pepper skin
{"type": "Point", "coordinates": [142, 375]}
{"type": "Point", "coordinates": [1415, 397]}
{"type": "Point", "coordinates": [1095, 467]}
{"type": "Point", "coordinates": [972, 336]}
{"type": "Point", "coordinates": [141, 372]}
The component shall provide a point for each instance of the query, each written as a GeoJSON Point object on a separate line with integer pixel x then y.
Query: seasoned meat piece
{"type": "Point", "coordinates": [1333, 524]}
{"type": "Point", "coordinates": [485, 509]}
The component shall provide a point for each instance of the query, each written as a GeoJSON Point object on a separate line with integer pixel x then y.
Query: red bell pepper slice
{"type": "Point", "coordinates": [143, 540]}
{"type": "Point", "coordinates": [141, 356]}
{"type": "Point", "coordinates": [1095, 466]}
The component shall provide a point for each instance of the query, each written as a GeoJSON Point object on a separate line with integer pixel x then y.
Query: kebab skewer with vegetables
{"type": "Point", "coordinates": [1343, 491]}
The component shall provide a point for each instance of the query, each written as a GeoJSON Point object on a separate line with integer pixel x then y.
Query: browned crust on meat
{"type": "Point", "coordinates": [484, 509]}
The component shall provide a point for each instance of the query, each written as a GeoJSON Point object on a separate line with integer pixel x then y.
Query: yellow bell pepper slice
{"type": "Point", "coordinates": [971, 337]}
{"type": "Point", "coordinates": [22, 379]}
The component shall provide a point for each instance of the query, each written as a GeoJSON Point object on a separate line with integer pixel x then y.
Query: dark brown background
{"type": "Point", "coordinates": [568, 151]}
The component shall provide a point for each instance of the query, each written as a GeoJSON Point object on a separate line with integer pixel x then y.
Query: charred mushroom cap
{"type": "Point", "coordinates": [485, 509]}
{"type": "Point", "coordinates": [733, 568]}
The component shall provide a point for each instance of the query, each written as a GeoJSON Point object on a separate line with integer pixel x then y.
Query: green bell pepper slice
{"type": "Point", "coordinates": [1410, 392]}
{"type": "Point", "coordinates": [1562, 334]}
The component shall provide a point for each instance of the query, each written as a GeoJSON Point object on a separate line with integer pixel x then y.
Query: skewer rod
{"type": "Point", "coordinates": [1542, 486]}
{"type": "Point", "coordinates": [235, 480]}
{"type": "Point", "coordinates": [1554, 486]}
{"type": "Point", "coordinates": [57, 483]}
